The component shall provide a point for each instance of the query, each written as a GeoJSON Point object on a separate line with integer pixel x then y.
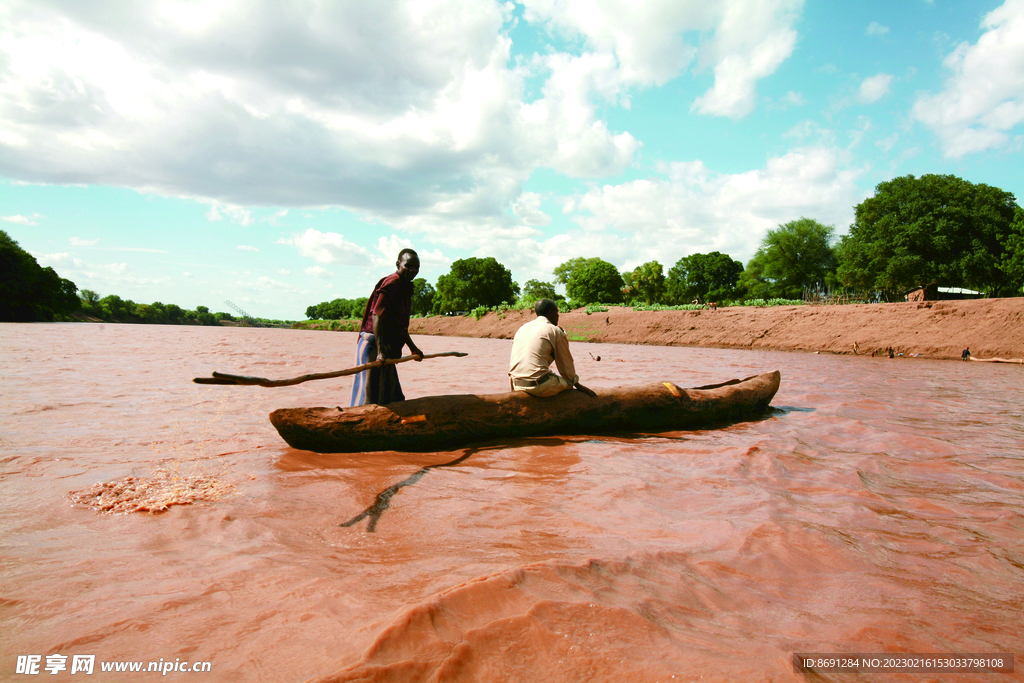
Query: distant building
{"type": "Point", "coordinates": [933, 292]}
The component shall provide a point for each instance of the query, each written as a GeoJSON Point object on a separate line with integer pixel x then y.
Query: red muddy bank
{"type": "Point", "coordinates": [935, 329]}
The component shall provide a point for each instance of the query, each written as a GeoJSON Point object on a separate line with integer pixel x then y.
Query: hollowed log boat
{"type": "Point", "coordinates": [435, 423]}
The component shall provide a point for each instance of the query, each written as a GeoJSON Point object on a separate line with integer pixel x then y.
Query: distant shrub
{"type": "Point", "coordinates": [662, 307]}
{"type": "Point", "coordinates": [773, 302]}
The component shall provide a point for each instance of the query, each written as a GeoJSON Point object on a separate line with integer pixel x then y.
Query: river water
{"type": "Point", "coordinates": [877, 508]}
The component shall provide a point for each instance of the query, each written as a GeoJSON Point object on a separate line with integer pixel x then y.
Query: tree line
{"type": "Point", "coordinates": [914, 232]}
{"type": "Point", "coordinates": [31, 293]}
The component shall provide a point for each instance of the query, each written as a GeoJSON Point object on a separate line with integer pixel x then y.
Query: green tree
{"type": "Point", "coordinates": [593, 282]}
{"type": "Point", "coordinates": [1013, 254]}
{"type": "Point", "coordinates": [204, 316]}
{"type": "Point", "coordinates": [175, 314]}
{"type": "Point", "coordinates": [705, 277]}
{"type": "Point", "coordinates": [564, 272]}
{"type": "Point", "coordinates": [422, 297]}
{"type": "Point", "coordinates": [648, 282]}
{"type": "Point", "coordinates": [792, 256]}
{"type": "Point", "coordinates": [146, 313]}
{"type": "Point", "coordinates": [535, 290]}
{"type": "Point", "coordinates": [474, 282]}
{"type": "Point", "coordinates": [29, 292]}
{"type": "Point", "coordinates": [936, 229]}
{"type": "Point", "coordinates": [90, 302]}
{"type": "Point", "coordinates": [113, 307]}
{"type": "Point", "coordinates": [313, 312]}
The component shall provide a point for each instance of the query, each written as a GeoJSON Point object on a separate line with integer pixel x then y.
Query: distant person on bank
{"type": "Point", "coordinates": [384, 332]}
{"type": "Point", "coordinates": [536, 345]}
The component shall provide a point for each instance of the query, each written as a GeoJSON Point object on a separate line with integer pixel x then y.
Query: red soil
{"type": "Point", "coordinates": [934, 329]}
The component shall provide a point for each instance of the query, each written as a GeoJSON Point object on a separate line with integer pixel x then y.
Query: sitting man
{"type": "Point", "coordinates": [536, 345]}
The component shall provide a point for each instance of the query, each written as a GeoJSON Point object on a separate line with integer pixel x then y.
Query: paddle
{"type": "Point", "coordinates": [242, 380]}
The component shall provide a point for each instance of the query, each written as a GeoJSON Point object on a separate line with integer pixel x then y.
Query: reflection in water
{"type": "Point", "coordinates": [383, 499]}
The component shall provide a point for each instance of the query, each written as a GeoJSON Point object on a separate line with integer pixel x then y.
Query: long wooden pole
{"type": "Point", "coordinates": [243, 380]}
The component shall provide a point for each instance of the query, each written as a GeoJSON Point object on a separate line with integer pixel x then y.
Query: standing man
{"type": "Point", "coordinates": [384, 332]}
{"type": "Point", "coordinates": [536, 345]}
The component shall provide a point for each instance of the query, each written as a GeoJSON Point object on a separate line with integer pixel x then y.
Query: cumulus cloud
{"type": "Point", "coordinates": [317, 271]}
{"type": "Point", "coordinates": [753, 39]}
{"type": "Point", "coordinates": [644, 44]}
{"type": "Point", "coordinates": [328, 248]}
{"type": "Point", "coordinates": [389, 247]}
{"type": "Point", "coordinates": [692, 209]}
{"type": "Point", "coordinates": [23, 220]}
{"type": "Point", "coordinates": [101, 277]}
{"type": "Point", "coordinates": [236, 214]}
{"type": "Point", "coordinates": [697, 210]}
{"type": "Point", "coordinates": [392, 109]}
{"type": "Point", "coordinates": [527, 209]}
{"type": "Point", "coordinates": [874, 88]}
{"type": "Point", "coordinates": [983, 97]}
{"type": "Point", "coordinates": [876, 29]}
{"type": "Point", "coordinates": [404, 110]}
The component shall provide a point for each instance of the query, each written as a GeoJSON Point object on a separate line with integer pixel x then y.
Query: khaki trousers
{"type": "Point", "coordinates": [551, 385]}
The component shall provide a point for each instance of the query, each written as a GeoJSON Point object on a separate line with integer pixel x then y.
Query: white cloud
{"type": "Point", "coordinates": [795, 98]}
{"type": "Point", "coordinates": [317, 271]}
{"type": "Point", "coordinates": [876, 29]}
{"type": "Point", "coordinates": [411, 105]}
{"type": "Point", "coordinates": [874, 88]}
{"type": "Point", "coordinates": [983, 98]}
{"type": "Point", "coordinates": [246, 247]}
{"type": "Point", "coordinates": [101, 277]}
{"type": "Point", "coordinates": [753, 39]}
{"type": "Point", "coordinates": [642, 44]}
{"type": "Point", "coordinates": [23, 220]}
{"type": "Point", "coordinates": [697, 210]}
{"type": "Point", "coordinates": [328, 247]}
{"type": "Point", "coordinates": [694, 209]}
{"type": "Point", "coordinates": [79, 242]}
{"type": "Point", "coordinates": [236, 214]}
{"type": "Point", "coordinates": [527, 209]}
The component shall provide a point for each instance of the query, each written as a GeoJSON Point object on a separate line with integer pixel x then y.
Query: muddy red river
{"type": "Point", "coordinates": [877, 508]}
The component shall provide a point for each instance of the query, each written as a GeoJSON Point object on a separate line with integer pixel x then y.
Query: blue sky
{"type": "Point", "coordinates": [280, 154]}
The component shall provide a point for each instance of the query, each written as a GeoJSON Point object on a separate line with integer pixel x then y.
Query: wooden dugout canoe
{"type": "Point", "coordinates": [436, 423]}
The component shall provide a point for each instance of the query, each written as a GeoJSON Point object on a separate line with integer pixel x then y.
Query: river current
{"type": "Point", "coordinates": [876, 508]}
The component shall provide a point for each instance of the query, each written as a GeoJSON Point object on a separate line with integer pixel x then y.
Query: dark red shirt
{"type": "Point", "coordinates": [391, 301]}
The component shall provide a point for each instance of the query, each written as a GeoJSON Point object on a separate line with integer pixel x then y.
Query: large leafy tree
{"type": "Point", "coordinates": [1013, 254]}
{"type": "Point", "coordinates": [535, 290]}
{"type": "Point", "coordinates": [422, 296]}
{"type": "Point", "coordinates": [647, 282]}
{"type": "Point", "coordinates": [936, 229]}
{"type": "Point", "coordinates": [29, 292]}
{"type": "Point", "coordinates": [705, 277]}
{"type": "Point", "coordinates": [564, 272]}
{"type": "Point", "coordinates": [595, 281]}
{"type": "Point", "coordinates": [792, 256]}
{"type": "Point", "coordinates": [473, 282]}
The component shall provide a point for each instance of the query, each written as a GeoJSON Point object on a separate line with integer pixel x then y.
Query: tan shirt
{"type": "Point", "coordinates": [535, 345]}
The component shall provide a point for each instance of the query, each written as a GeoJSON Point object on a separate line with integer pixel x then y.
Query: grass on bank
{"type": "Point", "coordinates": [352, 324]}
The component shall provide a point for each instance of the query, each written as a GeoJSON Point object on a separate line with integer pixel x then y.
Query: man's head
{"type": "Point", "coordinates": [548, 309]}
{"type": "Point", "coordinates": [408, 264]}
